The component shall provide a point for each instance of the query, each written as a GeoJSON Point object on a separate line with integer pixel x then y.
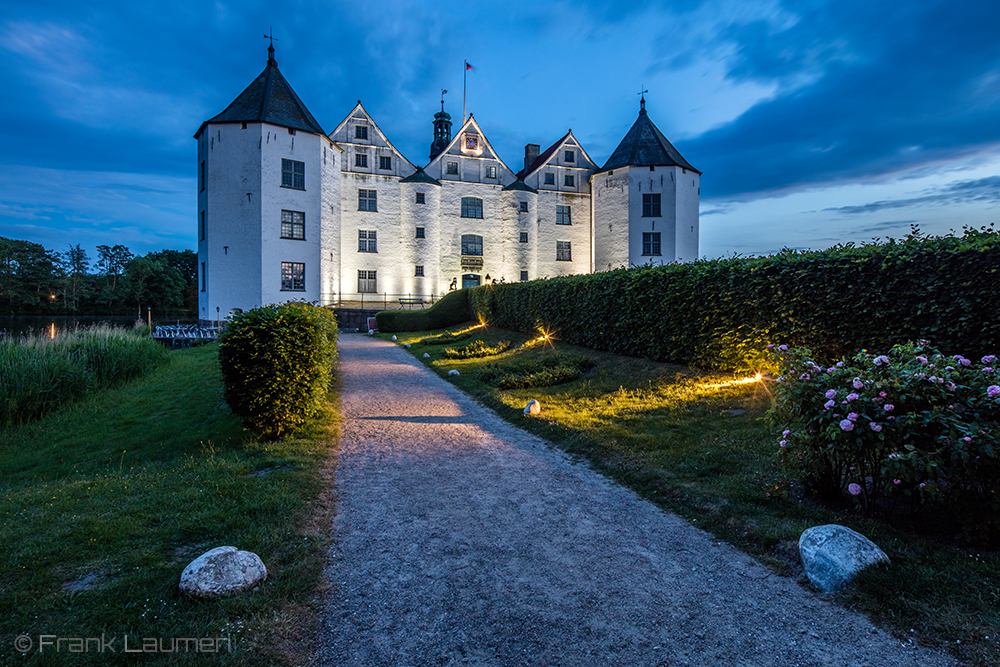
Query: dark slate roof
{"type": "Point", "coordinates": [269, 99]}
{"type": "Point", "coordinates": [644, 145]}
{"type": "Point", "coordinates": [541, 159]}
{"type": "Point", "coordinates": [519, 185]}
{"type": "Point", "coordinates": [420, 176]}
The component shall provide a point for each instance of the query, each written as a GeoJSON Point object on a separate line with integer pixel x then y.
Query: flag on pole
{"type": "Point", "coordinates": [468, 66]}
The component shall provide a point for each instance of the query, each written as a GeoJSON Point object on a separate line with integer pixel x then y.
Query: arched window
{"type": "Point", "coordinates": [472, 207]}
{"type": "Point", "coordinates": [472, 244]}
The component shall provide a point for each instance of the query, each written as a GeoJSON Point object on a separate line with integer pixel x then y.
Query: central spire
{"type": "Point", "coordinates": [442, 130]}
{"type": "Point", "coordinates": [270, 48]}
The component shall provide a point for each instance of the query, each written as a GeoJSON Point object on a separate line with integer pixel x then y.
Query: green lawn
{"type": "Point", "coordinates": [700, 446]}
{"type": "Point", "coordinates": [105, 502]}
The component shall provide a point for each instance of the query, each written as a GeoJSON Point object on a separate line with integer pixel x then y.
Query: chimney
{"type": "Point", "coordinates": [530, 154]}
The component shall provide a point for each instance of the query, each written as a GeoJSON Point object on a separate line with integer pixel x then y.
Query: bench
{"type": "Point", "coordinates": [404, 301]}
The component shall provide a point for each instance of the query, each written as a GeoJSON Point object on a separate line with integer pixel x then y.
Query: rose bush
{"type": "Point", "coordinates": [914, 423]}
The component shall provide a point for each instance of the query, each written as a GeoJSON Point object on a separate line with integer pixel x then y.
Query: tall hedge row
{"type": "Point", "coordinates": [451, 309]}
{"type": "Point", "coordinates": [719, 313]}
{"type": "Point", "coordinates": [277, 363]}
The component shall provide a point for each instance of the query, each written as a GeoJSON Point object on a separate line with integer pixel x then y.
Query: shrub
{"type": "Point", "coordinates": [476, 349]}
{"type": "Point", "coordinates": [546, 371]}
{"type": "Point", "coordinates": [451, 309]}
{"type": "Point", "coordinates": [719, 313]}
{"type": "Point", "coordinates": [277, 363]}
{"type": "Point", "coordinates": [39, 374]}
{"type": "Point", "coordinates": [447, 337]}
{"type": "Point", "coordinates": [913, 424]}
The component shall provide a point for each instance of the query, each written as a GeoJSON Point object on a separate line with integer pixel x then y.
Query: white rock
{"type": "Point", "coordinates": [394, 336]}
{"type": "Point", "coordinates": [453, 372]}
{"type": "Point", "coordinates": [371, 332]}
{"type": "Point", "coordinates": [222, 572]}
{"type": "Point", "coordinates": [833, 555]}
{"type": "Point", "coordinates": [426, 356]}
{"type": "Point", "coordinates": [406, 345]}
{"type": "Point", "coordinates": [532, 408]}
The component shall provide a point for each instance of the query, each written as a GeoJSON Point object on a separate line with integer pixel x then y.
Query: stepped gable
{"type": "Point", "coordinates": [645, 146]}
{"type": "Point", "coordinates": [269, 99]}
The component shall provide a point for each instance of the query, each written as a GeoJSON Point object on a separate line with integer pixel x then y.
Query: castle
{"type": "Point", "coordinates": [287, 211]}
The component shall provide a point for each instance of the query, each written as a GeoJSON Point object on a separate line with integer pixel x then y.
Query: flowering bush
{"type": "Point", "coordinates": [911, 423]}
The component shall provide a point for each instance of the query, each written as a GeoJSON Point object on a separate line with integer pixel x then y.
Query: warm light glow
{"type": "Point", "coordinates": [730, 383]}
{"type": "Point", "coordinates": [52, 330]}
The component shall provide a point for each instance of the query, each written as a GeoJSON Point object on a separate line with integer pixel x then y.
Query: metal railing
{"type": "Point", "coordinates": [379, 300]}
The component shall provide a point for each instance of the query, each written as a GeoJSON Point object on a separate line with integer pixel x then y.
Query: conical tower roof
{"type": "Point", "coordinates": [644, 146]}
{"type": "Point", "coordinates": [269, 99]}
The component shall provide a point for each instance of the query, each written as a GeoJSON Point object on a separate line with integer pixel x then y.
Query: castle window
{"type": "Point", "coordinates": [366, 241]}
{"type": "Point", "coordinates": [570, 156]}
{"type": "Point", "coordinates": [201, 176]}
{"type": "Point", "coordinates": [360, 131]}
{"type": "Point", "coordinates": [564, 252]}
{"type": "Point", "coordinates": [453, 168]}
{"type": "Point", "coordinates": [550, 178]}
{"type": "Point", "coordinates": [472, 244]}
{"type": "Point", "coordinates": [524, 237]}
{"type": "Point", "coordinates": [361, 159]}
{"type": "Point", "coordinates": [201, 226]}
{"type": "Point", "coordinates": [651, 206]}
{"type": "Point", "coordinates": [293, 225]}
{"type": "Point", "coordinates": [491, 172]}
{"type": "Point", "coordinates": [524, 207]}
{"type": "Point", "coordinates": [293, 174]}
{"type": "Point", "coordinates": [569, 180]}
{"type": "Point", "coordinates": [367, 281]}
{"type": "Point", "coordinates": [204, 277]}
{"type": "Point", "coordinates": [419, 270]}
{"type": "Point", "coordinates": [384, 162]}
{"type": "Point", "coordinates": [524, 275]}
{"type": "Point", "coordinates": [472, 207]}
{"type": "Point", "coordinates": [651, 243]}
{"type": "Point", "coordinates": [420, 197]}
{"type": "Point", "coordinates": [367, 200]}
{"type": "Point", "coordinates": [420, 232]}
{"type": "Point", "coordinates": [293, 276]}
{"type": "Point", "coordinates": [563, 215]}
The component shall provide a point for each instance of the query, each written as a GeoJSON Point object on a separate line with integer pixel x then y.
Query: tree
{"type": "Point", "coordinates": [75, 264]}
{"type": "Point", "coordinates": [111, 263]}
{"type": "Point", "coordinates": [155, 283]}
{"type": "Point", "coordinates": [29, 277]}
{"type": "Point", "coordinates": [186, 261]}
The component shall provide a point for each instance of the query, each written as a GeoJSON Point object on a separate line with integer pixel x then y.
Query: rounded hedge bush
{"type": "Point", "coordinates": [277, 363]}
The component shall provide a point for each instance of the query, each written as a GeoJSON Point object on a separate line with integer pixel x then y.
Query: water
{"type": "Point", "coordinates": [17, 326]}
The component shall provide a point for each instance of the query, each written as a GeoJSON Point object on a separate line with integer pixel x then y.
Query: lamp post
{"type": "Point", "coordinates": [216, 317]}
{"type": "Point", "coordinates": [149, 319]}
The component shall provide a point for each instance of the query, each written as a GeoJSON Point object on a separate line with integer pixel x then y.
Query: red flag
{"type": "Point", "coordinates": [468, 66]}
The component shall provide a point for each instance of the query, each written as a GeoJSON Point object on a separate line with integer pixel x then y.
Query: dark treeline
{"type": "Point", "coordinates": [36, 281]}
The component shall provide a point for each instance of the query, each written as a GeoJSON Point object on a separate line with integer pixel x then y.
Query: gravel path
{"type": "Point", "coordinates": [462, 540]}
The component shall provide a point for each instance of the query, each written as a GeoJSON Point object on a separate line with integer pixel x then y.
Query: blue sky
{"type": "Point", "coordinates": [814, 123]}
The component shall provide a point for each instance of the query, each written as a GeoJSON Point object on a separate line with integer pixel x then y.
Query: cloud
{"type": "Point", "coordinates": [981, 190]}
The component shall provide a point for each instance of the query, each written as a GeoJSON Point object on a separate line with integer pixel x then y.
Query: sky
{"type": "Point", "coordinates": [814, 122]}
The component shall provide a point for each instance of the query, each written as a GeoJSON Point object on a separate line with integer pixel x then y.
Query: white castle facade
{"type": "Point", "coordinates": [287, 211]}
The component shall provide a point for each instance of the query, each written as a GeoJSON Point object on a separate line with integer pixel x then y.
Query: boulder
{"type": "Point", "coordinates": [532, 408]}
{"type": "Point", "coordinates": [371, 332]}
{"type": "Point", "coordinates": [452, 372]}
{"type": "Point", "coordinates": [833, 555]}
{"type": "Point", "coordinates": [406, 345]}
{"type": "Point", "coordinates": [222, 572]}
{"type": "Point", "coordinates": [426, 356]}
{"type": "Point", "coordinates": [394, 336]}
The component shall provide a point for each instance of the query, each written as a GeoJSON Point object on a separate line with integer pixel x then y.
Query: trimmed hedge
{"type": "Point", "coordinates": [277, 363]}
{"type": "Point", "coordinates": [451, 309]}
{"type": "Point", "coordinates": [721, 313]}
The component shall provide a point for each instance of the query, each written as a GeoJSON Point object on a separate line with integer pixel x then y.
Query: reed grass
{"type": "Point", "coordinates": [39, 374]}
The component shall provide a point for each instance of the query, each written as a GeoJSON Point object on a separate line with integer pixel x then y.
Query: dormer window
{"type": "Point", "coordinates": [452, 168]}
{"type": "Point", "coordinates": [491, 172]}
{"type": "Point", "coordinates": [570, 156]}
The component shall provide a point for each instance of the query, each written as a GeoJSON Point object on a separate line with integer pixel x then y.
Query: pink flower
{"type": "Point", "coordinates": [988, 359]}
{"type": "Point", "coordinates": [831, 393]}
{"type": "Point", "coordinates": [922, 360]}
{"type": "Point", "coordinates": [987, 369]}
{"type": "Point", "coordinates": [993, 391]}
{"type": "Point", "coordinates": [895, 481]}
{"type": "Point", "coordinates": [804, 376]}
{"type": "Point", "coordinates": [786, 433]}
{"type": "Point", "coordinates": [888, 407]}
{"type": "Point", "coordinates": [876, 427]}
{"type": "Point", "coordinates": [882, 394]}
{"type": "Point", "coordinates": [881, 359]}
{"type": "Point", "coordinates": [782, 348]}
{"type": "Point", "coordinates": [770, 345]}
{"type": "Point", "coordinates": [840, 364]}
{"type": "Point", "coordinates": [783, 443]}
{"type": "Point", "coordinates": [830, 369]}
{"type": "Point", "coordinates": [951, 386]}
{"type": "Point", "coordinates": [967, 439]}
{"type": "Point", "coordinates": [858, 384]}
{"type": "Point", "coordinates": [846, 425]}
{"type": "Point", "coordinates": [829, 404]}
{"type": "Point", "coordinates": [962, 360]}
{"type": "Point", "coordinates": [853, 416]}
{"type": "Point", "coordinates": [852, 397]}
{"type": "Point", "coordinates": [949, 368]}
{"type": "Point", "coordinates": [854, 489]}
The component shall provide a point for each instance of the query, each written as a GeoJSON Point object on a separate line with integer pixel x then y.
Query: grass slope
{"type": "Point", "coordinates": [104, 504]}
{"type": "Point", "coordinates": [699, 446]}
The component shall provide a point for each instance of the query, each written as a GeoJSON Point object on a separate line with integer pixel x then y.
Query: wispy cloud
{"type": "Point", "coordinates": [978, 190]}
